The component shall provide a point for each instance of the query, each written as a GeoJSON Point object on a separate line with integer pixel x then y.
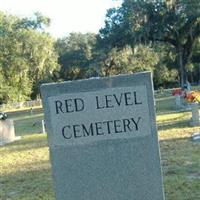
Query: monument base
{"type": "Point", "coordinates": [196, 137]}
{"type": "Point", "coordinates": [195, 123]}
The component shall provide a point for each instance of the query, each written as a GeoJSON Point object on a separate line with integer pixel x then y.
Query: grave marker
{"type": "Point", "coordinates": [7, 132]}
{"type": "Point", "coordinates": [103, 139]}
{"type": "Point", "coordinates": [195, 114]}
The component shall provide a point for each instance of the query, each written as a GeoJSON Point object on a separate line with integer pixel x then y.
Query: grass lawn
{"type": "Point", "coordinates": [26, 172]}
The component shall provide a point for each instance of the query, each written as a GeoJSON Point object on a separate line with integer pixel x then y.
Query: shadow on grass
{"type": "Point", "coordinates": [24, 113]}
{"type": "Point", "coordinates": [28, 126]}
{"type": "Point", "coordinates": [180, 157]}
{"type": "Point", "coordinates": [180, 164]}
{"type": "Point", "coordinates": [28, 143]}
{"type": "Point", "coordinates": [173, 125]}
{"type": "Point", "coordinates": [182, 113]}
{"type": "Point", "coordinates": [27, 185]}
{"type": "Point", "coordinates": [166, 104]}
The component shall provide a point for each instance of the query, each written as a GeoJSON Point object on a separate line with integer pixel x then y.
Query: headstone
{"type": "Point", "coordinates": [7, 132]}
{"type": "Point", "coordinates": [195, 114]}
{"type": "Point", "coordinates": [43, 127]}
{"type": "Point", "coordinates": [178, 101]}
{"type": "Point", "coordinates": [103, 138]}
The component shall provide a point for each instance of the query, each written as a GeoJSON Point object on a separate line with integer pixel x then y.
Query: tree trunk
{"type": "Point", "coordinates": [182, 68]}
{"type": "Point", "coordinates": [191, 77]}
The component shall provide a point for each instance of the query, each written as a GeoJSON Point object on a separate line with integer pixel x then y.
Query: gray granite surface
{"type": "Point", "coordinates": [103, 139]}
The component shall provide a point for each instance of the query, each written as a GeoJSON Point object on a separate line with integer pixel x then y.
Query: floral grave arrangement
{"type": "Point", "coordinates": [193, 96]}
{"type": "Point", "coordinates": [177, 91]}
{"type": "Point", "coordinates": [189, 96]}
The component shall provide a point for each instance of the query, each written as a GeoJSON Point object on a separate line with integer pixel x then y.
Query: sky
{"type": "Point", "coordinates": [66, 15]}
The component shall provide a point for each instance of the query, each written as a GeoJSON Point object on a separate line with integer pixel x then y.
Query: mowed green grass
{"type": "Point", "coordinates": [26, 171]}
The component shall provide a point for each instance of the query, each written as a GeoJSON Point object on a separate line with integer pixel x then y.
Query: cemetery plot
{"type": "Point", "coordinates": [26, 171]}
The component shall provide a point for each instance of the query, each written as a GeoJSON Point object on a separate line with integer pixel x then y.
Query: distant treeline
{"type": "Point", "coordinates": [162, 37]}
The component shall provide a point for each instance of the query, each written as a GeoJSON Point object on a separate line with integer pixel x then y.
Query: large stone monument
{"type": "Point", "coordinates": [103, 138]}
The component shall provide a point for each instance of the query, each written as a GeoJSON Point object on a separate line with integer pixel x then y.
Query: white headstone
{"type": "Point", "coordinates": [7, 132]}
{"type": "Point", "coordinates": [195, 114]}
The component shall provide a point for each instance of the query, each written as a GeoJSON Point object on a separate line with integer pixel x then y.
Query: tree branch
{"type": "Point", "coordinates": [164, 39]}
{"type": "Point", "coordinates": [187, 47]}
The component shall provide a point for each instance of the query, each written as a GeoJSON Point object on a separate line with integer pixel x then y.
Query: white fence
{"type": "Point", "coordinates": [19, 105]}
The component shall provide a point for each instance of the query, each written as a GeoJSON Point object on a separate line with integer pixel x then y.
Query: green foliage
{"type": "Point", "coordinates": [175, 22]}
{"type": "Point", "coordinates": [75, 54]}
{"type": "Point", "coordinates": [37, 22]}
{"type": "Point", "coordinates": [127, 60]}
{"type": "Point", "coordinates": [12, 66]}
{"type": "Point", "coordinates": [164, 76]}
{"type": "Point", "coordinates": [80, 59]}
{"type": "Point", "coordinates": [41, 56]}
{"type": "Point", "coordinates": [141, 35]}
{"type": "Point", "coordinates": [26, 56]}
{"type": "Point", "coordinates": [3, 88]}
